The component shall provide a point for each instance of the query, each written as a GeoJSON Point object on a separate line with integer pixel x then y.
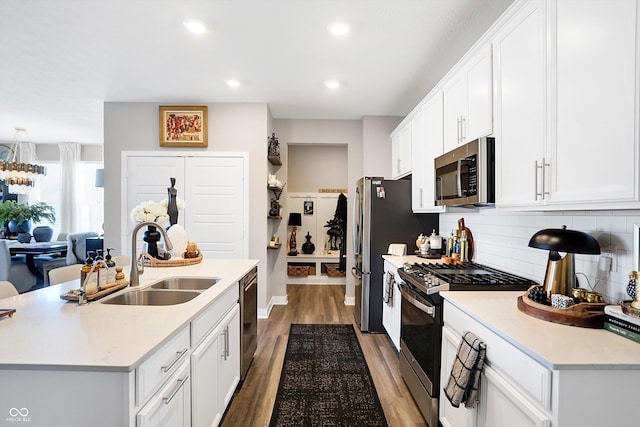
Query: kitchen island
{"type": "Point", "coordinates": [539, 373]}
{"type": "Point", "coordinates": [103, 364]}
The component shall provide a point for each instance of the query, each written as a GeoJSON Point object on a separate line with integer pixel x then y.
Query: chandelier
{"type": "Point", "coordinates": [20, 177]}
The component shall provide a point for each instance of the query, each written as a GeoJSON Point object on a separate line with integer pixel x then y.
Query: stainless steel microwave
{"type": "Point", "coordinates": [466, 175]}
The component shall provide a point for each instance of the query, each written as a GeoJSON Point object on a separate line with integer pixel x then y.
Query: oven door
{"type": "Point", "coordinates": [421, 335]}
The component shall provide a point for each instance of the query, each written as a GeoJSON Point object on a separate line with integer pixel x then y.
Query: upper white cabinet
{"type": "Point", "coordinates": [520, 78]}
{"type": "Point", "coordinates": [566, 109]}
{"type": "Point", "coordinates": [468, 100]}
{"type": "Point", "coordinates": [594, 152]}
{"type": "Point", "coordinates": [401, 152]}
{"type": "Point", "coordinates": [427, 144]}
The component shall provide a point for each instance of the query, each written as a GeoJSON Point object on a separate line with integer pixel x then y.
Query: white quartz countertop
{"type": "Point", "coordinates": [553, 345]}
{"type": "Point", "coordinates": [47, 332]}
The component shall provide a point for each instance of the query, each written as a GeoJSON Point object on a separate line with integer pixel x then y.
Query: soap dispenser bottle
{"type": "Point", "coordinates": [111, 267]}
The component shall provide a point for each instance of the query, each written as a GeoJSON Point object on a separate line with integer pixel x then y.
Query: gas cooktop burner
{"type": "Point", "coordinates": [432, 278]}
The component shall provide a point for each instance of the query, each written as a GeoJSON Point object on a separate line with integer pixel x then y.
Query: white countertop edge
{"type": "Point", "coordinates": [150, 276]}
{"type": "Point", "coordinates": [531, 352]}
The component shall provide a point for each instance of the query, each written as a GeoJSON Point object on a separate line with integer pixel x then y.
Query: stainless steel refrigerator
{"type": "Point", "coordinates": [381, 215]}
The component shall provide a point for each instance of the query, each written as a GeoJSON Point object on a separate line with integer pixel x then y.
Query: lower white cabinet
{"type": "Point", "coordinates": [171, 405]}
{"type": "Point", "coordinates": [391, 303]}
{"type": "Point", "coordinates": [503, 405]}
{"type": "Point", "coordinates": [215, 368]}
{"type": "Point", "coordinates": [450, 416]}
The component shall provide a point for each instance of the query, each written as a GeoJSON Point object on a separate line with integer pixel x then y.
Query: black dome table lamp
{"type": "Point", "coordinates": [560, 277]}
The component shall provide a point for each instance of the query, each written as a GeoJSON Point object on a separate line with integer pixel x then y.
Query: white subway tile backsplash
{"type": "Point", "coordinates": [501, 240]}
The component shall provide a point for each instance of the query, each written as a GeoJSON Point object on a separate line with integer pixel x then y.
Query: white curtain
{"type": "Point", "coordinates": [69, 160]}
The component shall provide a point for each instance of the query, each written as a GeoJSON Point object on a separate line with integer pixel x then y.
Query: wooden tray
{"type": "Point", "coordinates": [584, 315]}
{"type": "Point", "coordinates": [99, 294]}
{"type": "Point", "coordinates": [150, 261]}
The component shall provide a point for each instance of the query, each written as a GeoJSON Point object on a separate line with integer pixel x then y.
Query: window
{"type": "Point", "coordinates": [89, 198]}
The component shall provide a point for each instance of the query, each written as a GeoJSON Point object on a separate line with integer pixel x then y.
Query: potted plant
{"type": "Point", "coordinates": [20, 216]}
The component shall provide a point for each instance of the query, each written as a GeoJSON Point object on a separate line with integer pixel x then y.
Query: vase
{"type": "Point", "coordinates": [43, 233]}
{"type": "Point", "coordinates": [24, 237]}
{"type": "Point", "coordinates": [308, 247]}
{"type": "Point", "coordinates": [152, 237]}
{"type": "Point", "coordinates": [21, 227]}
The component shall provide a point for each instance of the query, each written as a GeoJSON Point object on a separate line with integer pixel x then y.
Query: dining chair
{"type": "Point", "coordinates": [64, 274]}
{"type": "Point", "coordinates": [14, 269]}
{"type": "Point", "coordinates": [7, 289]}
{"type": "Point", "coordinates": [76, 253]}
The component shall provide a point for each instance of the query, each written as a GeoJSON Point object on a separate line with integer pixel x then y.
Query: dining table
{"type": "Point", "coordinates": [32, 249]}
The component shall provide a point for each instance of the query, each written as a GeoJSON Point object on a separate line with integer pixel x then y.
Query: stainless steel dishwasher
{"type": "Point", "coordinates": [249, 316]}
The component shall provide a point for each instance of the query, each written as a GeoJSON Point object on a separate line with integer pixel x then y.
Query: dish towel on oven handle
{"type": "Point", "coordinates": [464, 379]}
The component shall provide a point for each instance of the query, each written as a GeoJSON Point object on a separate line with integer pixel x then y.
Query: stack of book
{"type": "Point", "coordinates": [620, 323]}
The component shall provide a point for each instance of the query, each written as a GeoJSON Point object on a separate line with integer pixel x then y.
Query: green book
{"type": "Point", "coordinates": [622, 332]}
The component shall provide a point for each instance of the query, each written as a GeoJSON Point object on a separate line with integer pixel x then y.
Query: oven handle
{"type": "Point", "coordinates": [421, 305]}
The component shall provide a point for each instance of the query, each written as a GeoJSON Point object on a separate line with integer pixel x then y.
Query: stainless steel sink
{"type": "Point", "coordinates": [186, 283]}
{"type": "Point", "coordinates": [152, 297]}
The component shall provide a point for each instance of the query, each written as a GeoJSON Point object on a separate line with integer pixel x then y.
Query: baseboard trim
{"type": "Point", "coordinates": [263, 313]}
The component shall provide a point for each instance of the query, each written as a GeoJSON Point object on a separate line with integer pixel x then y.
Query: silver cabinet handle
{"type": "Point", "coordinates": [542, 166]}
{"type": "Point", "coordinates": [535, 180]}
{"type": "Point", "coordinates": [459, 122]}
{"type": "Point", "coordinates": [171, 364]}
{"type": "Point", "coordinates": [180, 383]}
{"type": "Point", "coordinates": [463, 134]}
{"type": "Point", "coordinates": [421, 197]}
{"type": "Point", "coordinates": [225, 335]}
{"type": "Point", "coordinates": [544, 178]}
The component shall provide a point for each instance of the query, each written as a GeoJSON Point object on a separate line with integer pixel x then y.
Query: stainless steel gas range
{"type": "Point", "coordinates": [421, 320]}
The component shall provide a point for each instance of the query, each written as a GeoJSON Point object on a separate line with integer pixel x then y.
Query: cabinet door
{"type": "Point", "coordinates": [419, 164]}
{"type": "Point", "coordinates": [147, 178]}
{"type": "Point", "coordinates": [434, 140]}
{"type": "Point", "coordinates": [229, 368]}
{"type": "Point", "coordinates": [401, 152]}
{"type": "Point", "coordinates": [595, 155]}
{"type": "Point", "coordinates": [205, 405]}
{"type": "Point", "coordinates": [502, 405]}
{"type": "Point", "coordinates": [215, 211]}
{"type": "Point", "coordinates": [479, 119]}
{"type": "Point", "coordinates": [450, 416]}
{"type": "Point", "coordinates": [171, 405]}
{"type": "Point", "coordinates": [455, 101]}
{"type": "Point", "coordinates": [520, 126]}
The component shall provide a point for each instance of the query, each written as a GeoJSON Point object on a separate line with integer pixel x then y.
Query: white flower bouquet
{"type": "Point", "coordinates": [151, 211]}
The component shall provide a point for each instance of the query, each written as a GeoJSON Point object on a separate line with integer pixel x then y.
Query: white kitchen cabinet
{"type": "Point", "coordinates": [594, 151]}
{"type": "Point", "coordinates": [566, 108]}
{"type": "Point", "coordinates": [401, 152]}
{"type": "Point", "coordinates": [503, 405]}
{"type": "Point", "coordinates": [213, 186]}
{"type": "Point", "coordinates": [171, 405]}
{"type": "Point", "coordinates": [427, 144]}
{"type": "Point", "coordinates": [468, 98]}
{"type": "Point", "coordinates": [519, 53]}
{"type": "Point", "coordinates": [215, 367]}
{"type": "Point", "coordinates": [391, 303]}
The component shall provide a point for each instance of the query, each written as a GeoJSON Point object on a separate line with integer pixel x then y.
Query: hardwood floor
{"type": "Point", "coordinates": [253, 402]}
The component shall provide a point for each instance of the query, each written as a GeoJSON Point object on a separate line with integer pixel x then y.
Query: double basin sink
{"type": "Point", "coordinates": [171, 291]}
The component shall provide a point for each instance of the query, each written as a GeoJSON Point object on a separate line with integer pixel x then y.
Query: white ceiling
{"type": "Point", "coordinates": [61, 59]}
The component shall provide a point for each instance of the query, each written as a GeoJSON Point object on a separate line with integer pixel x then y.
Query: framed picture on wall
{"type": "Point", "coordinates": [308, 207]}
{"type": "Point", "coordinates": [183, 126]}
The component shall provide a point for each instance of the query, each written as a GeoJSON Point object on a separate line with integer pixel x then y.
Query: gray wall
{"type": "Point", "coordinates": [311, 167]}
{"type": "Point", "coordinates": [376, 160]}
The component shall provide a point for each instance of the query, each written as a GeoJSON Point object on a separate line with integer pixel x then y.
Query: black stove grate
{"type": "Point", "coordinates": [469, 276]}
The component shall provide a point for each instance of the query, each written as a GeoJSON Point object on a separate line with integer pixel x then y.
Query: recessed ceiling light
{"type": "Point", "coordinates": [195, 26]}
{"type": "Point", "coordinates": [332, 84]}
{"type": "Point", "coordinates": [339, 29]}
{"type": "Point", "coordinates": [233, 83]}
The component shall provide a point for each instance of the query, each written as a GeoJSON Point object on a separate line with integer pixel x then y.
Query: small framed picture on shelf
{"type": "Point", "coordinates": [183, 126]}
{"type": "Point", "coordinates": [308, 207]}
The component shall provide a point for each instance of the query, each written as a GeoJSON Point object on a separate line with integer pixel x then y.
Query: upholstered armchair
{"type": "Point", "coordinates": [76, 253]}
{"type": "Point", "coordinates": [14, 269]}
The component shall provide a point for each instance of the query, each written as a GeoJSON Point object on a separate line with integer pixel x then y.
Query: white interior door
{"type": "Point", "coordinates": [148, 179]}
{"type": "Point", "coordinates": [215, 211]}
